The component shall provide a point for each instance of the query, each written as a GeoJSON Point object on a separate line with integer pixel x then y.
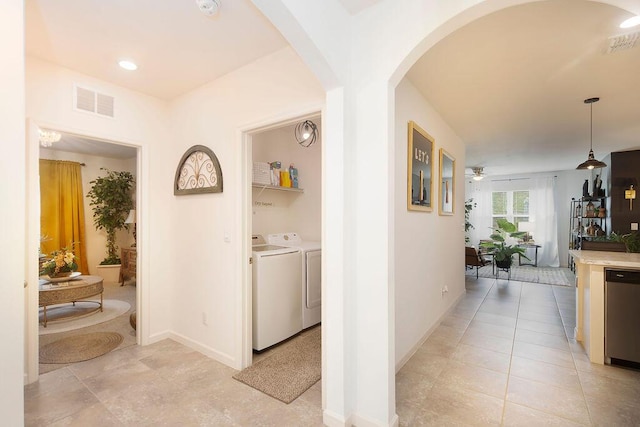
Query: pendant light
{"type": "Point", "coordinates": [306, 133]}
{"type": "Point", "coordinates": [591, 162]}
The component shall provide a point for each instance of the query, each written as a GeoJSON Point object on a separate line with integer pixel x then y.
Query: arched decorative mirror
{"type": "Point", "coordinates": [198, 172]}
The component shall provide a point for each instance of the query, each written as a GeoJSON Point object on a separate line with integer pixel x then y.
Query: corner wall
{"type": "Point", "coordinates": [429, 248]}
{"type": "Point", "coordinates": [140, 120]}
{"type": "Point", "coordinates": [206, 237]}
{"type": "Point", "coordinates": [13, 211]}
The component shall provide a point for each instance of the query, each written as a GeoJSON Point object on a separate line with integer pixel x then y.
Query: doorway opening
{"type": "Point", "coordinates": [283, 207]}
{"type": "Point", "coordinates": [113, 306]}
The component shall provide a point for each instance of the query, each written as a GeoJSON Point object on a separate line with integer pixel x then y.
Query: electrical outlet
{"type": "Point", "coordinates": [634, 226]}
{"type": "Point", "coordinates": [445, 289]}
{"type": "Point", "coordinates": [204, 319]}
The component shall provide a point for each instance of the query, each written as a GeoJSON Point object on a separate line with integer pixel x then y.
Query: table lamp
{"type": "Point", "coordinates": [131, 219]}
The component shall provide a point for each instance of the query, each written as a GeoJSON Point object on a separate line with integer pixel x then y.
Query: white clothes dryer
{"type": "Point", "coordinates": [277, 314]}
{"type": "Point", "coordinates": [311, 276]}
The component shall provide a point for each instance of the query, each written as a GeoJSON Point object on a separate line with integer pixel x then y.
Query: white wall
{"type": "Point", "coordinates": [428, 247]}
{"type": "Point", "coordinates": [12, 211]}
{"type": "Point", "coordinates": [96, 240]}
{"type": "Point", "coordinates": [279, 211]}
{"type": "Point", "coordinates": [140, 120]}
{"type": "Point", "coordinates": [203, 274]}
{"type": "Point", "coordinates": [210, 282]}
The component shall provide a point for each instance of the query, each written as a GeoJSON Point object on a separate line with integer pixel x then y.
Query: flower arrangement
{"type": "Point", "coordinates": [62, 261]}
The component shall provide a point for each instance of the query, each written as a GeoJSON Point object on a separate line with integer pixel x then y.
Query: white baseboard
{"type": "Point", "coordinates": [330, 419]}
{"type": "Point", "coordinates": [207, 351]}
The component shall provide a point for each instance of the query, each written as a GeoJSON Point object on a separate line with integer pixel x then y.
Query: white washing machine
{"type": "Point", "coordinates": [277, 314]}
{"type": "Point", "coordinates": [311, 278]}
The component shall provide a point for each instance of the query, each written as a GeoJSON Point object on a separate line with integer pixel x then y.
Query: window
{"type": "Point", "coordinates": [510, 205]}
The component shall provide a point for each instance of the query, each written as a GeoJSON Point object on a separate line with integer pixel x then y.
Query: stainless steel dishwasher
{"type": "Point", "coordinates": [622, 317]}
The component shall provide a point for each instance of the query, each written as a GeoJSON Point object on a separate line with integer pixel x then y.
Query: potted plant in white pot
{"type": "Point", "coordinates": [111, 202]}
{"type": "Point", "coordinates": [498, 247]}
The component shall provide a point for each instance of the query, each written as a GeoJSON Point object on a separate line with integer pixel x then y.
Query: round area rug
{"type": "Point", "coordinates": [80, 347]}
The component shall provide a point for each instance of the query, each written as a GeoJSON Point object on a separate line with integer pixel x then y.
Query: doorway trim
{"type": "Point", "coordinates": [245, 294]}
{"type": "Point", "coordinates": [33, 231]}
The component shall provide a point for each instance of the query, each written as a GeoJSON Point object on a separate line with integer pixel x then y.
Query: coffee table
{"type": "Point", "coordinates": [71, 291]}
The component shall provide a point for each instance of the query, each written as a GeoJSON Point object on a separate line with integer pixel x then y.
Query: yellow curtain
{"type": "Point", "coordinates": [62, 209]}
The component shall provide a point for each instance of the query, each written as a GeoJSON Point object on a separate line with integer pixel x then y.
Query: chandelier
{"type": "Point", "coordinates": [48, 137]}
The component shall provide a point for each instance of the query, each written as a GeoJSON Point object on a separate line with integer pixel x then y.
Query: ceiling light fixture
{"type": "Point", "coordinates": [48, 137]}
{"type": "Point", "coordinates": [127, 65]}
{"type": "Point", "coordinates": [306, 133]}
{"type": "Point", "coordinates": [591, 162]}
{"type": "Point", "coordinates": [477, 173]}
{"type": "Point", "coordinates": [631, 22]}
{"type": "Point", "coordinates": [208, 7]}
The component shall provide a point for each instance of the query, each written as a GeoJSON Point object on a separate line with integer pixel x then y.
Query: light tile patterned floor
{"type": "Point", "coordinates": [501, 357]}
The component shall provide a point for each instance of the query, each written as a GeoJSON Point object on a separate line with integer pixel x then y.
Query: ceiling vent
{"type": "Point", "coordinates": [623, 41]}
{"type": "Point", "coordinates": [91, 101]}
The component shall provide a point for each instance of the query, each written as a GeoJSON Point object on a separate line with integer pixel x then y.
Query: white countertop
{"type": "Point", "coordinates": [618, 259]}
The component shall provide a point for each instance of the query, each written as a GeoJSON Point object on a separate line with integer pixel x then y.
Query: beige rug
{"type": "Point", "coordinates": [289, 371]}
{"type": "Point", "coordinates": [82, 315]}
{"type": "Point", "coordinates": [80, 347]}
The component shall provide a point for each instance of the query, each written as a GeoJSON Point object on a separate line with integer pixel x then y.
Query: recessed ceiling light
{"type": "Point", "coordinates": [631, 22]}
{"type": "Point", "coordinates": [128, 65]}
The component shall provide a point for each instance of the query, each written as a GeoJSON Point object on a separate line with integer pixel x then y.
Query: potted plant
{"type": "Point", "coordinates": [631, 240]}
{"type": "Point", "coordinates": [111, 200]}
{"type": "Point", "coordinates": [501, 251]}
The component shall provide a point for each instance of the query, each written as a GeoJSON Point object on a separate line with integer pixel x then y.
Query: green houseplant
{"type": "Point", "coordinates": [498, 247]}
{"type": "Point", "coordinates": [111, 200]}
{"type": "Point", "coordinates": [631, 240]}
{"type": "Point", "coordinates": [468, 207]}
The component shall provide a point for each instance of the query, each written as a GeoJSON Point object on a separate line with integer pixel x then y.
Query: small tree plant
{"type": "Point", "coordinates": [468, 207]}
{"type": "Point", "coordinates": [111, 200]}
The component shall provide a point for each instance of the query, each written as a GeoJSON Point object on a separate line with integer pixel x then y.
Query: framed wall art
{"type": "Point", "coordinates": [447, 183]}
{"type": "Point", "coordinates": [198, 172]}
{"type": "Point", "coordinates": [419, 169]}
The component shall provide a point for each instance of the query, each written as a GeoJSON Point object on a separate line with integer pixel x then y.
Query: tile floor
{"type": "Point", "coordinates": [501, 357]}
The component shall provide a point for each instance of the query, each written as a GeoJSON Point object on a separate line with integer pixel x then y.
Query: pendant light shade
{"type": "Point", "coordinates": [306, 133]}
{"type": "Point", "coordinates": [591, 162]}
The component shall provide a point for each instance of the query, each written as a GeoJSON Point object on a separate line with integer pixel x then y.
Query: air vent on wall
{"type": "Point", "coordinates": [90, 101]}
{"type": "Point", "coordinates": [623, 41]}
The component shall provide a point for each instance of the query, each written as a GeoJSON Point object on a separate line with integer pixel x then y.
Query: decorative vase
{"type": "Point", "coordinates": [602, 213]}
{"type": "Point", "coordinates": [590, 211]}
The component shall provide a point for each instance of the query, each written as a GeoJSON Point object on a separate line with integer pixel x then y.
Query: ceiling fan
{"type": "Point", "coordinates": [478, 173]}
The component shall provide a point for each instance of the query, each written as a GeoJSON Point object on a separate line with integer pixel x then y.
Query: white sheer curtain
{"type": "Point", "coordinates": [542, 200]}
{"type": "Point", "coordinates": [480, 216]}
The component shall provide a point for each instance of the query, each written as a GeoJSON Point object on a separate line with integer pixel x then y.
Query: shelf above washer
{"type": "Point", "coordinates": [273, 187]}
